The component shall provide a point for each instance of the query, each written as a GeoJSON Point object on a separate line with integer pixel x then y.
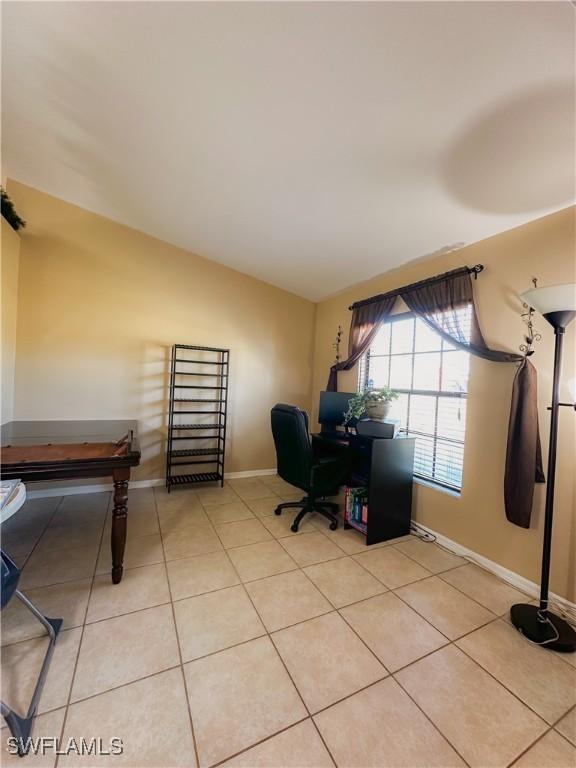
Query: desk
{"type": "Point", "coordinates": [385, 467]}
{"type": "Point", "coordinates": [57, 450]}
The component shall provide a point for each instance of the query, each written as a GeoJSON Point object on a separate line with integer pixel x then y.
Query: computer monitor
{"type": "Point", "coordinates": [333, 406]}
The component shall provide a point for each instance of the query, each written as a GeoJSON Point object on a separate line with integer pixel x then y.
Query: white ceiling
{"type": "Point", "coordinates": [312, 145]}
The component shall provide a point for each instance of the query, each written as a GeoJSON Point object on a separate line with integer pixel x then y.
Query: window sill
{"type": "Point", "coordinates": [436, 487]}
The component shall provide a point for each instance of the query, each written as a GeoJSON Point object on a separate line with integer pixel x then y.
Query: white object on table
{"type": "Point", "coordinates": [15, 499]}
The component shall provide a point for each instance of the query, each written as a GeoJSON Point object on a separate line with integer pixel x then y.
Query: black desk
{"type": "Point", "coordinates": [55, 450]}
{"type": "Point", "coordinates": [385, 467]}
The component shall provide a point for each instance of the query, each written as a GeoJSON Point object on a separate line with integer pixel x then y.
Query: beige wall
{"type": "Point", "coordinates": [100, 304]}
{"type": "Point", "coordinates": [10, 256]}
{"type": "Point", "coordinates": [99, 307]}
{"type": "Point", "coordinates": [476, 519]}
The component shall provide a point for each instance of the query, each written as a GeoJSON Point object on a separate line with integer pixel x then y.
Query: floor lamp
{"type": "Point", "coordinates": [557, 303]}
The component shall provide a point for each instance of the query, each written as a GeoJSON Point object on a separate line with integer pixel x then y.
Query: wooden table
{"type": "Point", "coordinates": [57, 450]}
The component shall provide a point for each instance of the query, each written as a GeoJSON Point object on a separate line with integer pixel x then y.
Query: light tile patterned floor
{"type": "Point", "coordinates": [232, 641]}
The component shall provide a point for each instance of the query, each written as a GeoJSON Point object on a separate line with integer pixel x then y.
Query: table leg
{"type": "Point", "coordinates": [119, 516]}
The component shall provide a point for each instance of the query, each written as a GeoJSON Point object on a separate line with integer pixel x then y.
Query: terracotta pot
{"type": "Point", "coordinates": [378, 411]}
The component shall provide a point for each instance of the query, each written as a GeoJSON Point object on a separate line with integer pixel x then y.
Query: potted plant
{"type": "Point", "coordinates": [375, 403]}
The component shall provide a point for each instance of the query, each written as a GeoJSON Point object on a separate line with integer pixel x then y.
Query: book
{"type": "Point", "coordinates": [356, 506]}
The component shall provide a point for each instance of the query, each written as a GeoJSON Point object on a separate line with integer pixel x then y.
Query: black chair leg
{"type": "Point", "coordinates": [298, 518]}
{"type": "Point", "coordinates": [310, 505]}
{"type": "Point", "coordinates": [21, 727]}
{"type": "Point", "coordinates": [325, 513]}
{"type": "Point", "coordinates": [288, 505]}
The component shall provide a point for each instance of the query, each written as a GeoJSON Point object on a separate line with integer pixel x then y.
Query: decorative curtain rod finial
{"type": "Point", "coordinates": [476, 269]}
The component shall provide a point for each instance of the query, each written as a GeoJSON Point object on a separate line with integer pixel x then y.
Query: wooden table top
{"type": "Point", "coordinates": [73, 431]}
{"type": "Point", "coordinates": [50, 444]}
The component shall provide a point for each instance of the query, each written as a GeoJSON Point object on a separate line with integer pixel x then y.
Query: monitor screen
{"type": "Point", "coordinates": [333, 406]}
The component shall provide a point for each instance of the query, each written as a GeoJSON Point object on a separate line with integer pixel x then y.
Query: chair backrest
{"type": "Point", "coordinates": [293, 446]}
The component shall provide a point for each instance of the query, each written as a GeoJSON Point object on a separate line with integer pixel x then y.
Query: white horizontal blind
{"type": "Point", "coordinates": [432, 377]}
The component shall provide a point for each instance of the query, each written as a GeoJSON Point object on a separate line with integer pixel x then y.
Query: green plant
{"type": "Point", "coordinates": [359, 403]}
{"type": "Point", "coordinates": [9, 212]}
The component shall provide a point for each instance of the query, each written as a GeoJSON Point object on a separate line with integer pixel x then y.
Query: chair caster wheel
{"type": "Point", "coordinates": [333, 526]}
{"type": "Point", "coordinates": [294, 528]}
{"type": "Point", "coordinates": [277, 511]}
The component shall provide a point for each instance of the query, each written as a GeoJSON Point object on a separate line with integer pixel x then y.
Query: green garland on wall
{"type": "Point", "coordinates": [9, 212]}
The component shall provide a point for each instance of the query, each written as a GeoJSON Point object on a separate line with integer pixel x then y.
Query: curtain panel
{"type": "Point", "coordinates": [366, 320]}
{"type": "Point", "coordinates": [436, 302]}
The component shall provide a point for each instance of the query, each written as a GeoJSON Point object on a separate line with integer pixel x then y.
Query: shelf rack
{"type": "Point", "coordinates": [200, 441]}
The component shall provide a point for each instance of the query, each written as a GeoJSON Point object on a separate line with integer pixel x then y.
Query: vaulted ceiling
{"type": "Point", "coordinates": [312, 145]}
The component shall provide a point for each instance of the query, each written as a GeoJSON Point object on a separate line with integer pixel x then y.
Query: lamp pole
{"type": "Point", "coordinates": [551, 479]}
{"type": "Point", "coordinates": [538, 623]}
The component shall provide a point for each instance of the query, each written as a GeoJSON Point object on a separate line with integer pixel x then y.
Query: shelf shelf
{"type": "Point", "coordinates": [199, 413]}
{"type": "Point", "coordinates": [200, 349]}
{"type": "Point", "coordinates": [196, 452]}
{"type": "Point", "coordinates": [362, 527]}
{"type": "Point", "coordinates": [199, 362]}
{"type": "Point", "coordinates": [382, 477]}
{"type": "Point", "coordinates": [197, 477]}
{"type": "Point", "coordinates": [195, 437]}
{"type": "Point", "coordinates": [194, 373]}
{"type": "Point", "coordinates": [215, 399]}
{"type": "Point", "coordinates": [196, 386]}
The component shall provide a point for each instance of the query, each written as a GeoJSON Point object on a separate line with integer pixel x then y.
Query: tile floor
{"type": "Point", "coordinates": [232, 641]}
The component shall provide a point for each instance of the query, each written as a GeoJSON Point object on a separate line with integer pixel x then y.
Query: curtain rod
{"type": "Point", "coordinates": [475, 270]}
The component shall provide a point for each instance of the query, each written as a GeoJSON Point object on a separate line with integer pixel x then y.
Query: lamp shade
{"type": "Point", "coordinates": [556, 302]}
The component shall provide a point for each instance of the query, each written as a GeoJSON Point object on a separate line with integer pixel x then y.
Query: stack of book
{"type": "Point", "coordinates": [356, 508]}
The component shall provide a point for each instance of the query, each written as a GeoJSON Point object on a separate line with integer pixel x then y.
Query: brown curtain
{"type": "Point", "coordinates": [366, 320]}
{"type": "Point", "coordinates": [436, 302]}
{"type": "Point", "coordinates": [523, 453]}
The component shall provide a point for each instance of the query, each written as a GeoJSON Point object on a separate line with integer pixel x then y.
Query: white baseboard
{"type": "Point", "coordinates": [511, 577]}
{"type": "Point", "coordinates": [248, 473]}
{"type": "Point", "coordinates": [73, 490]}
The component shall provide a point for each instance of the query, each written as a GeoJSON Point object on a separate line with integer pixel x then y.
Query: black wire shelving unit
{"type": "Point", "coordinates": [199, 390]}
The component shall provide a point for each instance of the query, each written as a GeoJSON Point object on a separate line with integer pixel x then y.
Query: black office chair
{"type": "Point", "coordinates": [297, 465]}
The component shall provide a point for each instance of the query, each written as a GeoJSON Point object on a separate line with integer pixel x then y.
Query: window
{"type": "Point", "coordinates": [432, 377]}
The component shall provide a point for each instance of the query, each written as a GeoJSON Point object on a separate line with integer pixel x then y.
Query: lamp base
{"type": "Point", "coordinates": [525, 619]}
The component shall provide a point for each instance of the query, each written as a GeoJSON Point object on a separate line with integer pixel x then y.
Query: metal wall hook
{"type": "Point", "coordinates": [532, 335]}
{"type": "Point", "coordinates": [336, 344]}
